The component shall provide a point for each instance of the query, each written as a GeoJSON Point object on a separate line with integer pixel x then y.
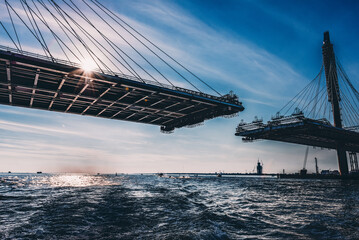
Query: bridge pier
{"type": "Point", "coordinates": [354, 168]}
{"type": "Point", "coordinates": [342, 160]}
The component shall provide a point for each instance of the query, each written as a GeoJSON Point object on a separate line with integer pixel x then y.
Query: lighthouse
{"type": "Point", "coordinates": [259, 168]}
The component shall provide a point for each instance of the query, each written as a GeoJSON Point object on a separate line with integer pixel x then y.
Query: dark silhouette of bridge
{"type": "Point", "coordinates": [117, 87]}
{"type": "Point", "coordinates": [332, 120]}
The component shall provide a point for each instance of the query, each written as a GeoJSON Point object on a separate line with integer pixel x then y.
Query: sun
{"type": "Point", "coordinates": [88, 65]}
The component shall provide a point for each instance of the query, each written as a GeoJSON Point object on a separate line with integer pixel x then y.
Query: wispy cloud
{"type": "Point", "coordinates": [221, 58]}
{"type": "Point", "coordinates": [82, 129]}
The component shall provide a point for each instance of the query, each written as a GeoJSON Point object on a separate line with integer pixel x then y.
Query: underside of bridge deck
{"type": "Point", "coordinates": [306, 132]}
{"type": "Point", "coordinates": [35, 82]}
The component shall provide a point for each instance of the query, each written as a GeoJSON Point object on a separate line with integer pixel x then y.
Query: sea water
{"type": "Point", "coordinates": [80, 206]}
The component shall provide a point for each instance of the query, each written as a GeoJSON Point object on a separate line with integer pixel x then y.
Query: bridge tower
{"type": "Point", "coordinates": [334, 97]}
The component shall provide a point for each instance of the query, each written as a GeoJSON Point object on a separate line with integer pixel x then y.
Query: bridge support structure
{"type": "Point", "coordinates": [354, 168]}
{"type": "Point", "coordinates": [315, 129]}
{"type": "Point", "coordinates": [334, 97]}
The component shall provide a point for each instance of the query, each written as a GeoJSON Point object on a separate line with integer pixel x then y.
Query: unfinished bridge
{"type": "Point", "coordinates": [130, 77]}
{"type": "Point", "coordinates": [324, 114]}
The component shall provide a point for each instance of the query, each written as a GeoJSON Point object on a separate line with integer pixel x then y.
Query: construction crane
{"type": "Point", "coordinates": [304, 170]}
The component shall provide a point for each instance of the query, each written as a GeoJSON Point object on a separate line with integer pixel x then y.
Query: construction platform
{"type": "Point", "coordinates": [300, 130]}
{"type": "Point", "coordinates": [36, 81]}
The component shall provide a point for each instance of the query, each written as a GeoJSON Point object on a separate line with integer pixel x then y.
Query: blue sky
{"type": "Point", "coordinates": [265, 51]}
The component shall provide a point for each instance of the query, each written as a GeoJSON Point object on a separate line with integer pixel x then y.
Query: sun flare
{"type": "Point", "coordinates": [88, 65]}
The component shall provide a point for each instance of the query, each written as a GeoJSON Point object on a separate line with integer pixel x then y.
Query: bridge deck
{"type": "Point", "coordinates": [301, 131]}
{"type": "Point", "coordinates": [30, 80]}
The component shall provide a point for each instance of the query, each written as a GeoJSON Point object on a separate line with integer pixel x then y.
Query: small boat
{"type": "Point", "coordinates": [39, 172]}
{"type": "Point", "coordinates": [9, 172]}
{"type": "Point", "coordinates": [184, 177]}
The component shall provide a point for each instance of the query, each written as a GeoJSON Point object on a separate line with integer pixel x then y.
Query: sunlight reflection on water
{"type": "Point", "coordinates": [75, 180]}
{"type": "Point", "coordinates": [59, 180]}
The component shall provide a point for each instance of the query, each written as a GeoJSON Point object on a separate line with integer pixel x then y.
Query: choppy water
{"type": "Point", "coordinates": [41, 206]}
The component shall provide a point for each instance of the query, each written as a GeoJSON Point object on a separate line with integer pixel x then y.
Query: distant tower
{"type": "Point", "coordinates": [331, 76]}
{"type": "Point", "coordinates": [259, 168]}
{"type": "Point", "coordinates": [316, 166]}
